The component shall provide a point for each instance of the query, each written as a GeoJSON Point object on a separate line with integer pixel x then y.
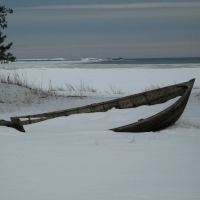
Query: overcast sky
{"type": "Point", "coordinates": [103, 28]}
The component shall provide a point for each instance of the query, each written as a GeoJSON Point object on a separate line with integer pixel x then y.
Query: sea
{"type": "Point", "coordinates": [98, 63]}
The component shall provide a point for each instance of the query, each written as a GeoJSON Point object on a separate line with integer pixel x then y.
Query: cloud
{"type": "Point", "coordinates": [107, 12]}
{"type": "Point", "coordinates": [140, 49]}
{"type": "Point", "coordinates": [119, 6]}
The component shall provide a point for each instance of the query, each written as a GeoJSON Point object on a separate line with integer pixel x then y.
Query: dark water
{"type": "Point", "coordinates": [152, 61]}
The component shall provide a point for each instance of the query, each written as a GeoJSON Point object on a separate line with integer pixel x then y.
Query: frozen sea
{"type": "Point", "coordinates": [98, 63]}
{"type": "Point", "coordinates": [102, 74]}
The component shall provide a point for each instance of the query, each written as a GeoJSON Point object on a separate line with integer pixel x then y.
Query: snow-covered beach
{"type": "Point", "coordinates": [77, 157]}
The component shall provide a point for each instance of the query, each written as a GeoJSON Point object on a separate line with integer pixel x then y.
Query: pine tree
{"type": "Point", "coordinates": [4, 55]}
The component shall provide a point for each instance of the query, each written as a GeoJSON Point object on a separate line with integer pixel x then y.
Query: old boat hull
{"type": "Point", "coordinates": [159, 121]}
{"type": "Point", "coordinates": [155, 123]}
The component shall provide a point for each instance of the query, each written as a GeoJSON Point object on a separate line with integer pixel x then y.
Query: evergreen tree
{"type": "Point", "coordinates": [4, 55]}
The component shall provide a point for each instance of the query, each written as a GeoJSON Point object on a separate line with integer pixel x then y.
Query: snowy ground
{"type": "Point", "coordinates": [79, 158]}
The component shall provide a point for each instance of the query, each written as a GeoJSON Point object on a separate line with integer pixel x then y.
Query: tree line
{"type": "Point", "coordinates": [5, 55]}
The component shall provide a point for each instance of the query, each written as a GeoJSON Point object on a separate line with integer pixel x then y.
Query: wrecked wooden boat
{"type": "Point", "coordinates": [166, 117]}
{"type": "Point", "coordinates": [156, 122]}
